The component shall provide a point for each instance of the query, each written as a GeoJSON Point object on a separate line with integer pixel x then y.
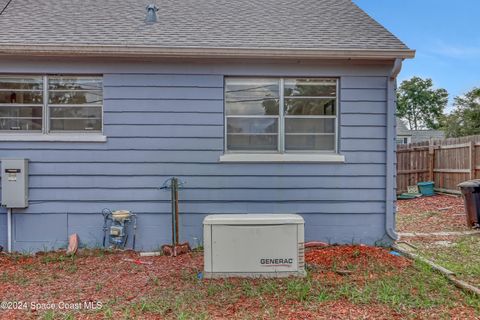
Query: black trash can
{"type": "Point", "coordinates": [471, 196]}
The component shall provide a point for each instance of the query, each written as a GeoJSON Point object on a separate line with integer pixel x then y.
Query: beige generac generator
{"type": "Point", "coordinates": [253, 245]}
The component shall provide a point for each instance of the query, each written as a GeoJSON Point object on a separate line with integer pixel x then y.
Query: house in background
{"type": "Point", "coordinates": [427, 135]}
{"type": "Point", "coordinates": [268, 106]}
{"type": "Point", "coordinates": [405, 136]}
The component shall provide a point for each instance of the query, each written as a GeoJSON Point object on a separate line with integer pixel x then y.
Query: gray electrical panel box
{"type": "Point", "coordinates": [15, 183]}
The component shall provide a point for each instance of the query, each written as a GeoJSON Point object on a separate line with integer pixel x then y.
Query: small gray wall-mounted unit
{"type": "Point", "coordinates": [253, 245]}
{"type": "Point", "coordinates": [14, 183]}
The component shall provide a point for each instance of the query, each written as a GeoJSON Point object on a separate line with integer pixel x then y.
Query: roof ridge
{"type": "Point", "coordinates": [5, 8]}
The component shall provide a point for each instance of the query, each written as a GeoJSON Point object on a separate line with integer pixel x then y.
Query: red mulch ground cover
{"type": "Point", "coordinates": [360, 263]}
{"type": "Point", "coordinates": [168, 288]}
{"type": "Point", "coordinates": [361, 256]}
{"type": "Point", "coordinates": [431, 214]}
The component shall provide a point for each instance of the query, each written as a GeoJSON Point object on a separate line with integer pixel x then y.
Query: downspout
{"type": "Point", "coordinates": [390, 150]}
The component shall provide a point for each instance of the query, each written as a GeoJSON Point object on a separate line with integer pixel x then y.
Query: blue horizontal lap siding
{"type": "Point", "coordinates": [210, 154]}
{"type": "Point", "coordinates": [162, 93]}
{"type": "Point", "coordinates": [237, 169]}
{"type": "Point", "coordinates": [365, 206]}
{"type": "Point", "coordinates": [201, 181]}
{"type": "Point", "coordinates": [244, 194]}
{"type": "Point", "coordinates": [163, 123]}
{"type": "Point", "coordinates": [162, 106]}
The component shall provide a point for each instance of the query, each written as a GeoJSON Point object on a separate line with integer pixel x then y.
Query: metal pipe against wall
{"type": "Point", "coordinates": [176, 210]}
{"type": "Point", "coordinates": [174, 191]}
{"type": "Point", "coordinates": [172, 195]}
{"type": "Point", "coordinates": [9, 230]}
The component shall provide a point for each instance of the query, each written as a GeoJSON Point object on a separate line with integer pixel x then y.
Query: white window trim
{"type": "Point", "coordinates": [313, 156]}
{"type": "Point", "coordinates": [283, 157]}
{"type": "Point", "coordinates": [54, 136]}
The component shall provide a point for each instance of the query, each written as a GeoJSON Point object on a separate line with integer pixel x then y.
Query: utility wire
{"type": "Point", "coordinates": [5, 8]}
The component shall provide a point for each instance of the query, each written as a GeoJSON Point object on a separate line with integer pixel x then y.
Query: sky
{"type": "Point", "coordinates": [445, 34]}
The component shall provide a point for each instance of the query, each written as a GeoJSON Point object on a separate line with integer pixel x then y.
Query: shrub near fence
{"type": "Point", "coordinates": [445, 162]}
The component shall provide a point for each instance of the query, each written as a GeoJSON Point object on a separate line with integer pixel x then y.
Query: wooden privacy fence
{"type": "Point", "coordinates": [445, 162]}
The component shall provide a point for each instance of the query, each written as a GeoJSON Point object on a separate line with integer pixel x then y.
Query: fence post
{"type": "Point", "coordinates": [472, 160]}
{"type": "Point", "coordinates": [431, 161]}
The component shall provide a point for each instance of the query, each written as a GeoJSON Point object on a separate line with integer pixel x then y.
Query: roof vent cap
{"type": "Point", "coordinates": [151, 13]}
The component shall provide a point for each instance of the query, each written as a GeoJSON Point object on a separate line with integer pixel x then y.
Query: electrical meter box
{"type": "Point", "coordinates": [253, 245]}
{"type": "Point", "coordinates": [15, 183]}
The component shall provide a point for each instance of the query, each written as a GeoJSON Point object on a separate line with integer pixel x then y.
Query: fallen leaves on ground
{"type": "Point", "coordinates": [431, 214]}
{"type": "Point", "coordinates": [169, 288]}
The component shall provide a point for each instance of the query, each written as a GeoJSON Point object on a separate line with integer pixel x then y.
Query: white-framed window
{"type": "Point", "coordinates": [401, 140]}
{"type": "Point", "coordinates": [51, 103]}
{"type": "Point", "coordinates": [281, 115]}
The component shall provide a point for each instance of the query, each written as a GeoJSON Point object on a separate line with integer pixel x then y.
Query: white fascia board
{"type": "Point", "coordinates": [199, 52]}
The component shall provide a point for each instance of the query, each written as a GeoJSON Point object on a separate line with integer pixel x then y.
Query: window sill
{"type": "Point", "coordinates": [54, 137]}
{"type": "Point", "coordinates": [287, 157]}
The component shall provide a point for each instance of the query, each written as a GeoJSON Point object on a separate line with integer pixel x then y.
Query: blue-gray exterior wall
{"type": "Point", "coordinates": [165, 119]}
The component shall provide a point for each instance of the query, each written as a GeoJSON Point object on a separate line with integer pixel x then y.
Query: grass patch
{"type": "Point", "coordinates": [462, 257]}
{"type": "Point", "coordinates": [52, 258]}
{"type": "Point", "coordinates": [415, 288]}
{"type": "Point", "coordinates": [361, 279]}
{"type": "Point", "coordinates": [299, 289]}
{"type": "Point", "coordinates": [16, 278]}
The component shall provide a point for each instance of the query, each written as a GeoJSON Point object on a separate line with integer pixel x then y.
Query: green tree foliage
{"type": "Point", "coordinates": [465, 119]}
{"type": "Point", "coordinates": [419, 104]}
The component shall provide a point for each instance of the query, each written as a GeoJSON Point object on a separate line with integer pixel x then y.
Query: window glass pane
{"type": "Point", "coordinates": [21, 124]}
{"type": "Point", "coordinates": [21, 83]}
{"type": "Point", "coordinates": [75, 125]}
{"type": "Point", "coordinates": [21, 112]}
{"type": "Point", "coordinates": [268, 107]}
{"type": "Point", "coordinates": [252, 96]}
{"type": "Point", "coordinates": [244, 88]}
{"type": "Point", "coordinates": [302, 106]}
{"type": "Point", "coordinates": [22, 97]}
{"type": "Point", "coordinates": [309, 125]}
{"type": "Point", "coordinates": [252, 125]}
{"type": "Point", "coordinates": [76, 112]}
{"type": "Point", "coordinates": [310, 142]}
{"type": "Point", "coordinates": [75, 90]}
{"type": "Point", "coordinates": [75, 97]}
{"type": "Point", "coordinates": [66, 83]}
{"type": "Point", "coordinates": [21, 90]}
{"type": "Point", "coordinates": [310, 87]}
{"type": "Point", "coordinates": [309, 109]}
{"type": "Point", "coordinates": [252, 142]}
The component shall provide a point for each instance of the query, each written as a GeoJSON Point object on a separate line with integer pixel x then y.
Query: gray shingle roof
{"type": "Point", "coordinates": [3, 4]}
{"type": "Point", "coordinates": [426, 135]}
{"type": "Point", "coordinates": [288, 24]}
{"type": "Point", "coordinates": [402, 128]}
